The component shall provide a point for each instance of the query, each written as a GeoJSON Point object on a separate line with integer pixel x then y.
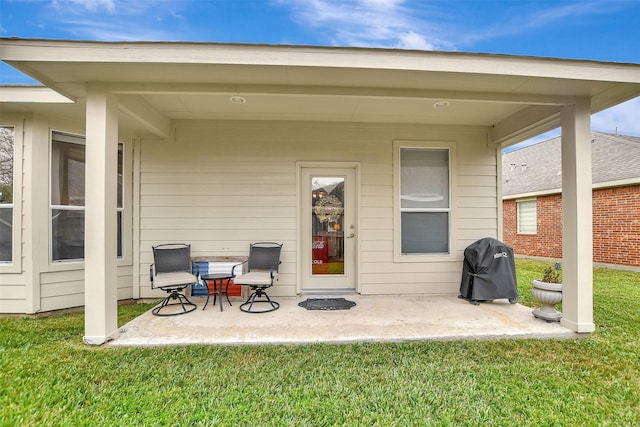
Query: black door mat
{"type": "Point", "coordinates": [327, 304]}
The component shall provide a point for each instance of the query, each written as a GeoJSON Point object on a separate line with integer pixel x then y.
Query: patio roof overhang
{"type": "Point", "coordinates": [158, 82]}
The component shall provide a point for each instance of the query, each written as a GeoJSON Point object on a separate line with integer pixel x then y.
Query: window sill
{"type": "Point", "coordinates": [398, 258]}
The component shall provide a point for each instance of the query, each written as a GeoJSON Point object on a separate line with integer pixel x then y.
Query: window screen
{"type": "Point", "coordinates": [424, 200]}
{"type": "Point", "coordinates": [68, 197]}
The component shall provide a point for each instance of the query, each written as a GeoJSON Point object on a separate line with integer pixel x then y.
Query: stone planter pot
{"type": "Point", "coordinates": [549, 294]}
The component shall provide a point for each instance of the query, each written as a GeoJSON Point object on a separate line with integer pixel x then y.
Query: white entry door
{"type": "Point", "coordinates": [328, 213]}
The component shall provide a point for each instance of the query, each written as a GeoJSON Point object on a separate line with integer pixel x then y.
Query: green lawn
{"type": "Point", "coordinates": [48, 377]}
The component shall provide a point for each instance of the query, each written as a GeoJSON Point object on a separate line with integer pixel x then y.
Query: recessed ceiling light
{"type": "Point", "coordinates": [441, 104]}
{"type": "Point", "coordinates": [237, 99]}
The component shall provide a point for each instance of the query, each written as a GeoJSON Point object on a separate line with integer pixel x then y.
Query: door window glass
{"type": "Point", "coordinates": [327, 211]}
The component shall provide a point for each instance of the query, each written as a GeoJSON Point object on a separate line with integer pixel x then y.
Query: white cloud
{"type": "Point", "coordinates": [523, 18]}
{"type": "Point", "coordinates": [91, 5]}
{"type": "Point", "coordinates": [433, 25]}
{"type": "Point", "coordinates": [379, 23]}
{"type": "Point", "coordinates": [106, 31]}
{"type": "Point", "coordinates": [553, 14]}
{"type": "Point", "coordinates": [382, 3]}
{"type": "Point", "coordinates": [412, 40]}
{"type": "Point", "coordinates": [623, 119]}
{"type": "Point", "coordinates": [117, 20]}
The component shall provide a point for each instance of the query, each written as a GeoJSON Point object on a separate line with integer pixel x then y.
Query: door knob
{"type": "Point", "coordinates": [350, 236]}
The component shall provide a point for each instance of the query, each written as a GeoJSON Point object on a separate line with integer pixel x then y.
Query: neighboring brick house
{"type": "Point", "coordinates": [532, 199]}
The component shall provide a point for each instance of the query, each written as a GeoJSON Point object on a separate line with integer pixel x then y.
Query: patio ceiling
{"type": "Point", "coordinates": [160, 82]}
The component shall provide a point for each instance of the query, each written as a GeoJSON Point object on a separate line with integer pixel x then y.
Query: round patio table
{"type": "Point", "coordinates": [218, 282]}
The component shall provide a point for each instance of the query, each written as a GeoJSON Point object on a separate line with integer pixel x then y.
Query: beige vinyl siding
{"type": "Point", "coordinates": [65, 288]}
{"type": "Point", "coordinates": [217, 197]}
{"type": "Point", "coordinates": [125, 282]}
{"type": "Point", "coordinates": [222, 185]}
{"type": "Point", "coordinates": [62, 289]}
{"type": "Point", "coordinates": [476, 206]}
{"type": "Point", "coordinates": [13, 298]}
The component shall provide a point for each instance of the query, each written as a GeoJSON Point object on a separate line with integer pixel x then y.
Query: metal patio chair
{"type": "Point", "coordinates": [171, 272]}
{"type": "Point", "coordinates": [262, 272]}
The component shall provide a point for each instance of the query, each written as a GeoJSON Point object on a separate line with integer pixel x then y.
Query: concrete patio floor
{"type": "Point", "coordinates": [374, 318]}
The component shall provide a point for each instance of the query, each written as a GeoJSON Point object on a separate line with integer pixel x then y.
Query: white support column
{"type": "Point", "coordinates": [577, 218]}
{"type": "Point", "coordinates": [100, 277]}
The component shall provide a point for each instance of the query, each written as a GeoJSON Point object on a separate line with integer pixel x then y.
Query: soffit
{"type": "Point", "coordinates": [70, 78]}
{"type": "Point", "coordinates": [328, 108]}
{"type": "Point", "coordinates": [202, 91]}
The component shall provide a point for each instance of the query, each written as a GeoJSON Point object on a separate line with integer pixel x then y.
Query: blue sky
{"type": "Point", "coordinates": [603, 30]}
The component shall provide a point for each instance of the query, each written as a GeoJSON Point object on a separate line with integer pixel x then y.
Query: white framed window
{"type": "Point", "coordinates": [423, 204]}
{"type": "Point", "coordinates": [7, 168]}
{"type": "Point", "coordinates": [120, 204]}
{"type": "Point", "coordinates": [527, 216]}
{"type": "Point", "coordinates": [67, 198]}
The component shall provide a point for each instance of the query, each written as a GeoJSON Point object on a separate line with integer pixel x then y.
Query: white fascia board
{"type": "Point", "coordinates": [619, 183]}
{"type": "Point", "coordinates": [31, 94]}
{"type": "Point", "coordinates": [533, 194]}
{"type": "Point", "coordinates": [307, 56]}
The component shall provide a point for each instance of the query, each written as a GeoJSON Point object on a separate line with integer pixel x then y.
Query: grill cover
{"type": "Point", "coordinates": [489, 272]}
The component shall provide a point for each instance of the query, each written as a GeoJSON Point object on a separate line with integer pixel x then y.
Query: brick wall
{"type": "Point", "coordinates": [616, 227]}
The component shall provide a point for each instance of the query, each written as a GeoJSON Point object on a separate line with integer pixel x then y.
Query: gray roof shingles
{"type": "Point", "coordinates": [537, 168]}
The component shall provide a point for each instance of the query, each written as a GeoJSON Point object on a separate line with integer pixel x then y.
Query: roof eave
{"type": "Point", "coordinates": [13, 50]}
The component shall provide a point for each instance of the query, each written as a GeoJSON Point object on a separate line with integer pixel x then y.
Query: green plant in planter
{"type": "Point", "coordinates": [551, 276]}
{"type": "Point", "coordinates": [548, 291]}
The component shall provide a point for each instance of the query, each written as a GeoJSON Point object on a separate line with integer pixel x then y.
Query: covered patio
{"type": "Point", "coordinates": [379, 318]}
{"type": "Point", "coordinates": [222, 144]}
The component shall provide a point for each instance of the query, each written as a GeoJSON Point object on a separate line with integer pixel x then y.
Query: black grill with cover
{"type": "Point", "coordinates": [489, 272]}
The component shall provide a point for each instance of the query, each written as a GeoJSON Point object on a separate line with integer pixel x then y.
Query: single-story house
{"type": "Point", "coordinates": [220, 145]}
{"type": "Point", "coordinates": [532, 199]}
